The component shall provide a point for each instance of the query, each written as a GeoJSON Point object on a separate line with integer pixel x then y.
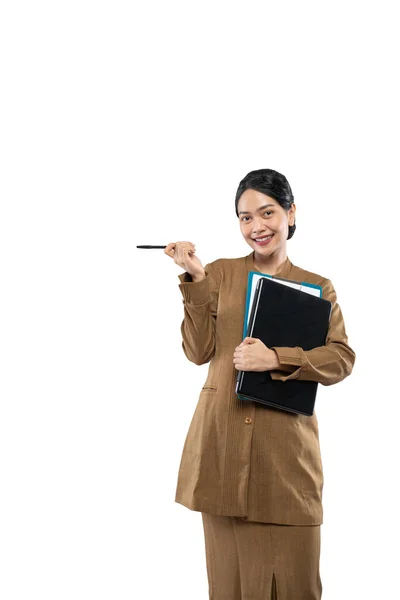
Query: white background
{"type": "Point", "coordinates": [126, 124]}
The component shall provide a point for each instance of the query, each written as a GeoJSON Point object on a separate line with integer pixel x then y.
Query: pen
{"type": "Point", "coordinates": [151, 246]}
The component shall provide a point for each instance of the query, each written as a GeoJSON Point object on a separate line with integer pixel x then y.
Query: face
{"type": "Point", "coordinates": [260, 216]}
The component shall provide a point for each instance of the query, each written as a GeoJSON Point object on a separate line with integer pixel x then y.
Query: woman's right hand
{"type": "Point", "coordinates": [183, 255]}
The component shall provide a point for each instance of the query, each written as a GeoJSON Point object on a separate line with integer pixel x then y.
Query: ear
{"type": "Point", "coordinates": [292, 214]}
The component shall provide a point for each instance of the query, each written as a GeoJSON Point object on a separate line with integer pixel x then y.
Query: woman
{"type": "Point", "coordinates": [255, 473]}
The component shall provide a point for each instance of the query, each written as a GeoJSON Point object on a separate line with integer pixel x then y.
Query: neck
{"type": "Point", "coordinates": [270, 264]}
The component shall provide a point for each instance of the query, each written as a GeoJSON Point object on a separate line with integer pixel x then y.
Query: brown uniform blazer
{"type": "Point", "coordinates": [242, 458]}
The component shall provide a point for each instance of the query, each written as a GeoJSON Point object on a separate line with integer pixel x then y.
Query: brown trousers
{"type": "Point", "coordinates": [248, 560]}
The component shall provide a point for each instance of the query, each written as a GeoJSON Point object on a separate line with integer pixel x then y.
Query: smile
{"type": "Point", "coordinates": [264, 240]}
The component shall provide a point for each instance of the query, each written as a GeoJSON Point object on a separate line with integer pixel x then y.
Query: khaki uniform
{"type": "Point", "coordinates": [242, 458]}
{"type": "Point", "coordinates": [261, 561]}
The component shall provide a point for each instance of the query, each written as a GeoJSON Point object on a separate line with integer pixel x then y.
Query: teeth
{"type": "Point", "coordinates": [264, 238]}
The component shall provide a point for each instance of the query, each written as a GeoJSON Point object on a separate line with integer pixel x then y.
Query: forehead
{"type": "Point", "coordinates": [251, 200]}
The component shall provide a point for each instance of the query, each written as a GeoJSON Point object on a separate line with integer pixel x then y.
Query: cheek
{"type": "Point", "coordinates": [279, 225]}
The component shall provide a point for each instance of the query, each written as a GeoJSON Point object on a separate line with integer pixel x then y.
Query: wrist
{"type": "Point", "coordinates": [274, 361]}
{"type": "Point", "coordinates": [198, 278]}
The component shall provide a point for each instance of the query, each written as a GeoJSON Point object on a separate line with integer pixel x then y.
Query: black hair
{"type": "Point", "coordinates": [271, 183]}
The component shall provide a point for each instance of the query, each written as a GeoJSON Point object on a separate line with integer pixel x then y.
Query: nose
{"type": "Point", "coordinates": [258, 226]}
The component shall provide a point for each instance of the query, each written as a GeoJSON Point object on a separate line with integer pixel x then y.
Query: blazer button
{"type": "Point", "coordinates": [248, 420]}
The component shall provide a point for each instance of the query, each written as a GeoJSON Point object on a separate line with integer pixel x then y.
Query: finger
{"type": "Point", "coordinates": [183, 254]}
{"type": "Point", "coordinates": [180, 247]}
{"type": "Point", "coordinates": [169, 249]}
{"type": "Point", "coordinates": [240, 367]}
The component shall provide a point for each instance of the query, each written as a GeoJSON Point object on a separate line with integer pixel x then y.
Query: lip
{"type": "Point", "coordinates": [265, 242]}
{"type": "Point", "coordinates": [261, 236]}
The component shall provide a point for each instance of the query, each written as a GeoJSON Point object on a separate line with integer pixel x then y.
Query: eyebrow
{"type": "Point", "coordinates": [246, 212]}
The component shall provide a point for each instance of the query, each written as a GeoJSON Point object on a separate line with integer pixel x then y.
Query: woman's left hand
{"type": "Point", "coordinates": [253, 355]}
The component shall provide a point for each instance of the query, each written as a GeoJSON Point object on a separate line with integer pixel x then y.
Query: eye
{"type": "Point", "coordinates": [269, 212]}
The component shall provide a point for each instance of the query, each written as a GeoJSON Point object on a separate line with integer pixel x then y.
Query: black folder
{"type": "Point", "coordinates": [284, 316]}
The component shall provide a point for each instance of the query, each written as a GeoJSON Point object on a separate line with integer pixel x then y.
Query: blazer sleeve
{"type": "Point", "coordinates": [200, 301]}
{"type": "Point", "coordinates": [326, 364]}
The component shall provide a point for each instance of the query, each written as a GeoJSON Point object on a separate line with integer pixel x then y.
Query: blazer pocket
{"type": "Point", "coordinates": [209, 387]}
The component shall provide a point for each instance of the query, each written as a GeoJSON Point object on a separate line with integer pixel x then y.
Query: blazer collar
{"type": "Point", "coordinates": [283, 272]}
